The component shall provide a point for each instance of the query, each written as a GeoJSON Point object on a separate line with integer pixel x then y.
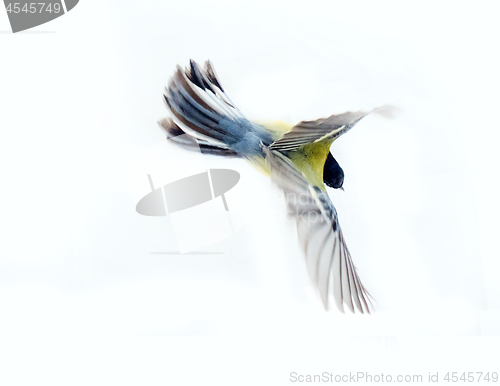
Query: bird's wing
{"type": "Point", "coordinates": [328, 260]}
{"type": "Point", "coordinates": [324, 129]}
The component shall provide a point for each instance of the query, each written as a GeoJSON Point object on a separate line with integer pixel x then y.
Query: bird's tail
{"type": "Point", "coordinates": [188, 142]}
{"type": "Point", "coordinates": [202, 110]}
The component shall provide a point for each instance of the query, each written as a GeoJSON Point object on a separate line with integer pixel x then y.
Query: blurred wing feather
{"type": "Point", "coordinates": [330, 128]}
{"type": "Point", "coordinates": [320, 236]}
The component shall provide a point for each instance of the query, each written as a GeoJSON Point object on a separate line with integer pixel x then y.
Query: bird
{"type": "Point", "coordinates": [296, 157]}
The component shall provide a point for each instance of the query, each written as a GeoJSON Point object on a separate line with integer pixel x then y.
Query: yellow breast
{"type": "Point", "coordinates": [309, 159]}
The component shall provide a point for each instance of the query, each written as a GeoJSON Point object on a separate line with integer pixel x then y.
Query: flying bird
{"type": "Point", "coordinates": [297, 157]}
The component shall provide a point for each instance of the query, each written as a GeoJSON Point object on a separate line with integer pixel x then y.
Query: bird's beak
{"type": "Point", "coordinates": [342, 188]}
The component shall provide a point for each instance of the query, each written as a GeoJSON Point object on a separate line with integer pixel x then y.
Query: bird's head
{"type": "Point", "coordinates": [333, 175]}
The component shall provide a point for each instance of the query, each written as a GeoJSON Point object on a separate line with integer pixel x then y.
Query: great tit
{"type": "Point", "coordinates": [297, 157]}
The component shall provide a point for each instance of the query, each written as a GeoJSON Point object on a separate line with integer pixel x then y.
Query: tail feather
{"type": "Point", "coordinates": [208, 82]}
{"type": "Point", "coordinates": [191, 110]}
{"type": "Point", "coordinates": [212, 77]}
{"type": "Point", "coordinates": [199, 104]}
{"type": "Point", "coordinates": [195, 75]}
{"type": "Point", "coordinates": [181, 138]}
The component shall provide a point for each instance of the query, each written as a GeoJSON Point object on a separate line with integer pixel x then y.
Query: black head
{"type": "Point", "coordinates": [333, 175]}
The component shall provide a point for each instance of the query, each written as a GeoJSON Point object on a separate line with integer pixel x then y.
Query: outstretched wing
{"type": "Point", "coordinates": [328, 260]}
{"type": "Point", "coordinates": [324, 129]}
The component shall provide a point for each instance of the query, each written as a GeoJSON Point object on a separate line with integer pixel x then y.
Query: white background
{"type": "Point", "coordinates": [80, 97]}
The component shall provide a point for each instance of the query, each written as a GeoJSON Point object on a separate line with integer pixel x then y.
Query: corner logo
{"type": "Point", "coordinates": [24, 15]}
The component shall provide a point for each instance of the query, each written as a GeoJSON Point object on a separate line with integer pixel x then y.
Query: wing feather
{"type": "Point", "coordinates": [328, 260]}
{"type": "Point", "coordinates": [330, 128]}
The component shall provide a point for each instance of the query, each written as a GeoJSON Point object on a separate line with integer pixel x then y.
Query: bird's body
{"type": "Point", "coordinates": [297, 157]}
{"type": "Point", "coordinates": [277, 129]}
{"type": "Point", "coordinates": [309, 159]}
